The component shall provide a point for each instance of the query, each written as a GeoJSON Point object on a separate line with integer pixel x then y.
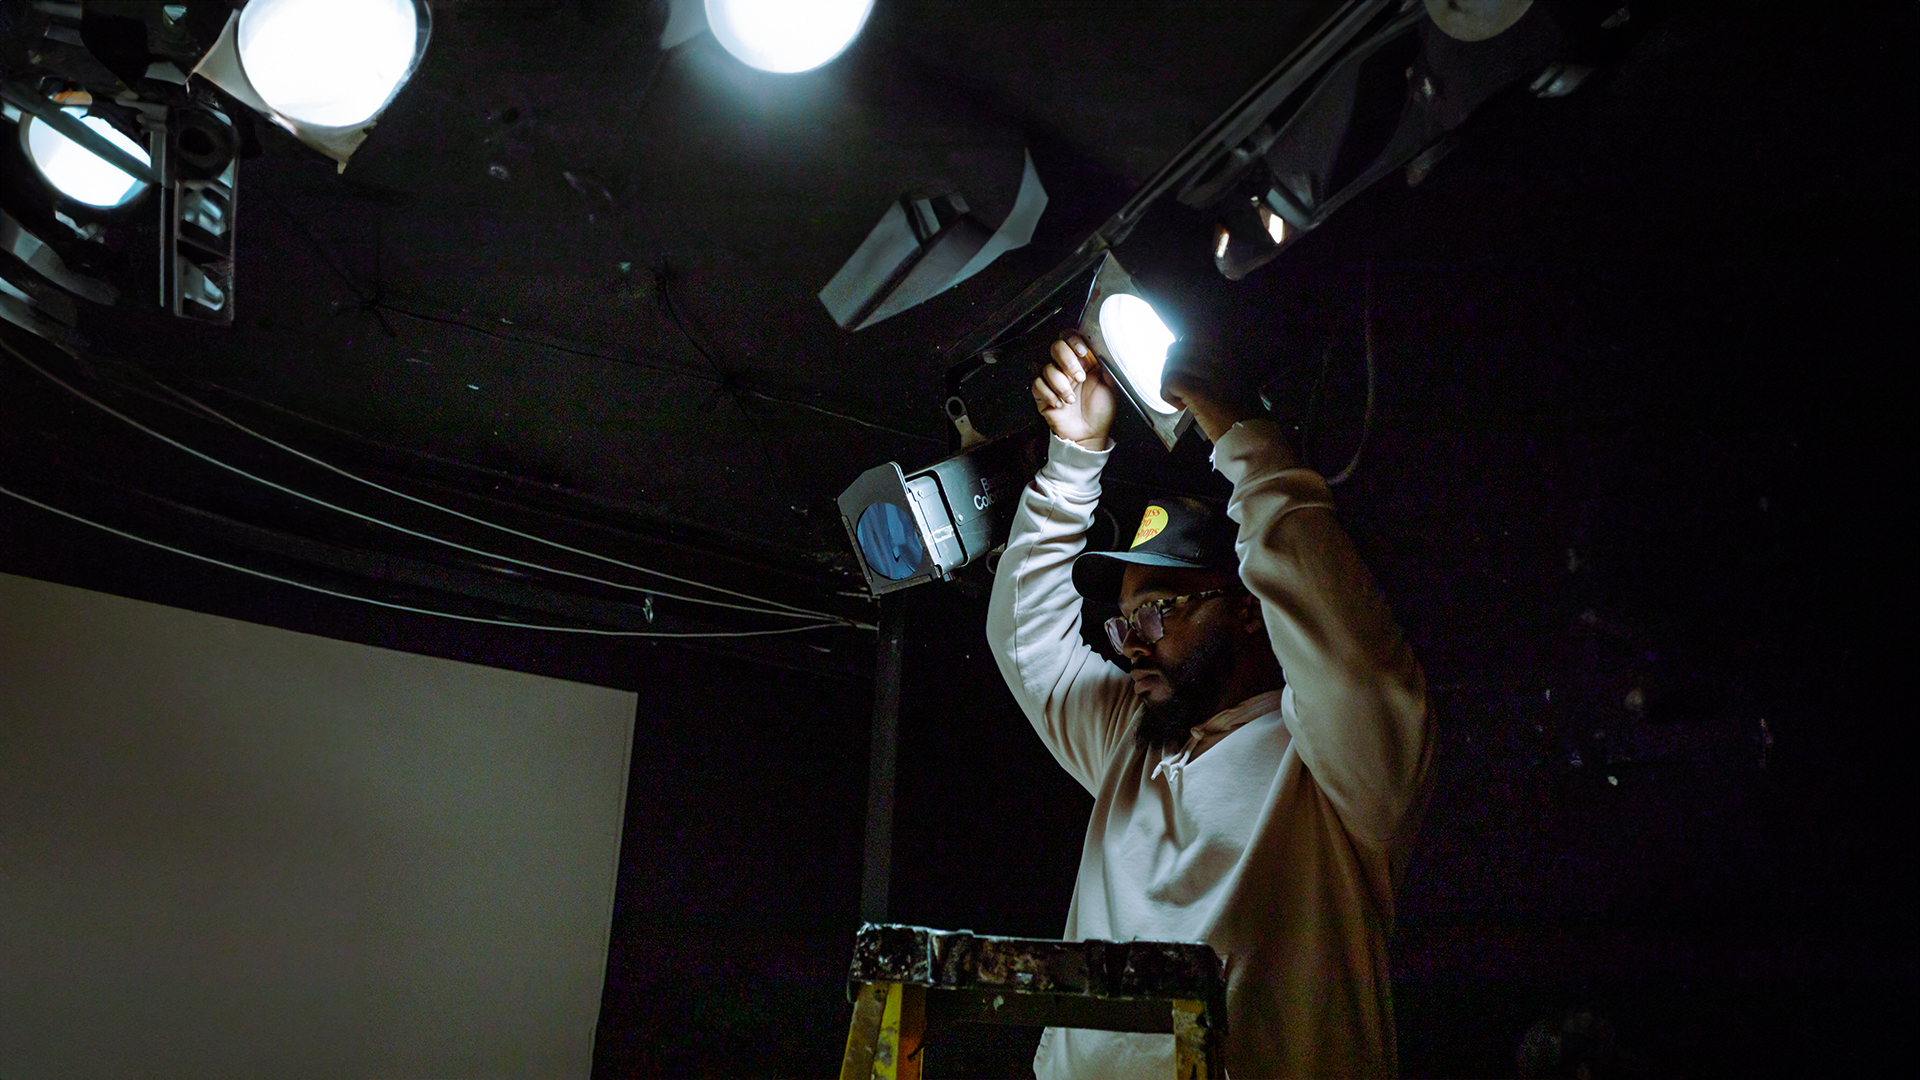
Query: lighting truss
{"type": "Point", "coordinates": [126, 108]}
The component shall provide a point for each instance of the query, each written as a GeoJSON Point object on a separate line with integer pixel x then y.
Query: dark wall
{"type": "Point", "coordinates": [740, 874]}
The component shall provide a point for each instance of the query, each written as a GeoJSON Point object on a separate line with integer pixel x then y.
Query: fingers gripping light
{"type": "Point", "coordinates": [1139, 342]}
{"type": "Point", "coordinates": [331, 63]}
{"type": "Point", "coordinates": [79, 173]}
{"type": "Point", "coordinates": [785, 35]}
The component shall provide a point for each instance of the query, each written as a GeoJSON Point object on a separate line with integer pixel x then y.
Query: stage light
{"type": "Point", "coordinates": [1132, 339]}
{"type": "Point", "coordinates": [322, 69]}
{"type": "Point", "coordinates": [908, 529]}
{"type": "Point", "coordinates": [330, 63]}
{"type": "Point", "coordinates": [79, 173]}
{"type": "Point", "coordinates": [786, 36]}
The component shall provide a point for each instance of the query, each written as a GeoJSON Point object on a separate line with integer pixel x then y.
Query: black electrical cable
{"type": "Point", "coordinates": [851, 595]}
{"type": "Point", "coordinates": [790, 611]}
{"type": "Point", "coordinates": [595, 631]}
{"type": "Point", "coordinates": [1366, 418]}
{"type": "Point", "coordinates": [1308, 424]}
{"type": "Point", "coordinates": [377, 486]}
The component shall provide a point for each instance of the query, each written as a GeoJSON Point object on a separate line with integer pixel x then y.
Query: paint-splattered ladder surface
{"type": "Point", "coordinates": [908, 982]}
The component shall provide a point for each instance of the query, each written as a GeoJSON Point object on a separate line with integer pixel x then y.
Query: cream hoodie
{"type": "Point", "coordinates": [1277, 833]}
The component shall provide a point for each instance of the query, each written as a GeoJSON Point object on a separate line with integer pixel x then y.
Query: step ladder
{"type": "Point", "coordinates": [907, 980]}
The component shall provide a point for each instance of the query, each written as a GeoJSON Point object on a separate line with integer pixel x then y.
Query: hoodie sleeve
{"type": "Point", "coordinates": [1360, 716]}
{"type": "Point", "coordinates": [1081, 704]}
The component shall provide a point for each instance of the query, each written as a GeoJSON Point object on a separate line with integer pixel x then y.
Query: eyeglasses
{"type": "Point", "coordinates": [1148, 620]}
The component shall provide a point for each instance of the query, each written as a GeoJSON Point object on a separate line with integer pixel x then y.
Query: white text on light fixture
{"type": "Point", "coordinates": [1138, 341]}
{"type": "Point", "coordinates": [79, 173]}
{"type": "Point", "coordinates": [786, 36]}
{"type": "Point", "coordinates": [330, 63]}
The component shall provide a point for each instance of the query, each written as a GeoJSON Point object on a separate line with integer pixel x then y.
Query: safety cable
{"type": "Point", "coordinates": [405, 607]}
{"type": "Point", "coordinates": [783, 611]}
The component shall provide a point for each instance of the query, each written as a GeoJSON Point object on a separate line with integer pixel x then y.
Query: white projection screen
{"type": "Point", "coordinates": [228, 850]}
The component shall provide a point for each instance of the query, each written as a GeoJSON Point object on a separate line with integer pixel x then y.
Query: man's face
{"type": "Point", "coordinates": [1179, 678]}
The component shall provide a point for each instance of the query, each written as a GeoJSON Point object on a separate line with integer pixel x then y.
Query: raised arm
{"type": "Point", "coordinates": [1080, 704]}
{"type": "Point", "coordinates": [1360, 715]}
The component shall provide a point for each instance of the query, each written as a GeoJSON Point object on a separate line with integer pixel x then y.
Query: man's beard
{"type": "Point", "coordinates": [1193, 687]}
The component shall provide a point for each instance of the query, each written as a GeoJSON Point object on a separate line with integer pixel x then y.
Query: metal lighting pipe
{"type": "Point", "coordinates": [1228, 131]}
{"type": "Point", "coordinates": [63, 122]}
{"type": "Point", "coordinates": [876, 878]}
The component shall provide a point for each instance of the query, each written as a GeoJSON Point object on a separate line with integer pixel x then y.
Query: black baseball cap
{"type": "Point", "coordinates": [1174, 531]}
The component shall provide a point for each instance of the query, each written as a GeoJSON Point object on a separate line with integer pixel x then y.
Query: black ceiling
{"type": "Point", "coordinates": [576, 275]}
{"type": "Point", "coordinates": [460, 289]}
{"type": "Point", "coordinates": [582, 273]}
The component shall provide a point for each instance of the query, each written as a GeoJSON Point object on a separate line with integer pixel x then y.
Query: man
{"type": "Point", "coordinates": [1259, 772]}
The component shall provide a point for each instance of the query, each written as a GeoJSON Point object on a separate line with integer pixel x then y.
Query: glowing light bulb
{"type": "Point", "coordinates": [330, 63]}
{"type": "Point", "coordinates": [1138, 341]}
{"type": "Point", "coordinates": [79, 173]}
{"type": "Point", "coordinates": [787, 35]}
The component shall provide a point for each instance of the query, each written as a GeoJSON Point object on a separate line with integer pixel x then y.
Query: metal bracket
{"type": "Point", "coordinates": [970, 436]}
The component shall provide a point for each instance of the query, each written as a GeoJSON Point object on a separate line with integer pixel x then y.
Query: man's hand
{"type": "Point", "coordinates": [1197, 381]}
{"type": "Point", "coordinates": [1073, 395]}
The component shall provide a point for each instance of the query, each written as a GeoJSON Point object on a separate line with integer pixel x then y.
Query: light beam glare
{"type": "Point", "coordinates": [786, 36]}
{"type": "Point", "coordinates": [1138, 341]}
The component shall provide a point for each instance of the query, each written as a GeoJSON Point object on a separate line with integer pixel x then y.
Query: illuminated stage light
{"type": "Point", "coordinates": [1132, 339]}
{"type": "Point", "coordinates": [909, 528]}
{"type": "Point", "coordinates": [79, 173]}
{"type": "Point", "coordinates": [1138, 340]}
{"type": "Point", "coordinates": [785, 36]}
{"type": "Point", "coordinates": [329, 63]}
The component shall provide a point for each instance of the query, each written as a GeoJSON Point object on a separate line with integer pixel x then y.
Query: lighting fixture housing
{"type": "Point", "coordinates": [912, 528]}
{"type": "Point", "coordinates": [1131, 339]}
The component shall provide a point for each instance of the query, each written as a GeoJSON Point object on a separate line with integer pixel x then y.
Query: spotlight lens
{"type": "Point", "coordinates": [889, 541]}
{"type": "Point", "coordinates": [330, 63]}
{"type": "Point", "coordinates": [787, 35]}
{"type": "Point", "coordinates": [1138, 340]}
{"type": "Point", "coordinates": [79, 173]}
